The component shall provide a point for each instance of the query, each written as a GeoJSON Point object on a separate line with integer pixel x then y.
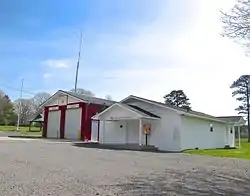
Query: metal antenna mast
{"type": "Point", "coordinates": [78, 62]}
{"type": "Point", "coordinates": [20, 106]}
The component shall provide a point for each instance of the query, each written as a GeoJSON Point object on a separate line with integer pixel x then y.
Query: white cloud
{"type": "Point", "coordinates": [58, 63]}
{"type": "Point", "coordinates": [194, 58]}
{"type": "Point", "coordinates": [197, 60]}
{"type": "Point", "coordinates": [47, 75]}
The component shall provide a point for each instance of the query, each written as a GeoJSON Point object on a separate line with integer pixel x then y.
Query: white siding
{"type": "Point", "coordinates": [120, 132]}
{"type": "Point", "coordinates": [73, 123]}
{"type": "Point", "coordinates": [195, 133]}
{"type": "Point", "coordinates": [114, 132]}
{"type": "Point", "coordinates": [166, 131]}
{"type": "Point", "coordinates": [132, 131]}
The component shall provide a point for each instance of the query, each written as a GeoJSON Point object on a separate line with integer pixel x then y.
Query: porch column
{"type": "Point", "coordinates": [234, 139]}
{"type": "Point", "coordinates": [103, 131]}
{"type": "Point", "coordinates": [140, 131]}
{"type": "Point", "coordinates": [239, 135]}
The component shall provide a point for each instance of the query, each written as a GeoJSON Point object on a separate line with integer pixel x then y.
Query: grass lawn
{"type": "Point", "coordinates": [23, 130]}
{"type": "Point", "coordinates": [243, 152]}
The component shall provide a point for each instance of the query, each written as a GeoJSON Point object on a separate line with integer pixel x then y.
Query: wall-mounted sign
{"type": "Point", "coordinates": [73, 106]}
{"type": "Point", "coordinates": [62, 100]}
{"type": "Point", "coordinates": [147, 129]}
{"type": "Point", "coordinates": [54, 108]}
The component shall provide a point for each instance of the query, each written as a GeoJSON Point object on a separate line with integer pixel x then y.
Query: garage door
{"type": "Point", "coordinates": [53, 130]}
{"type": "Point", "coordinates": [73, 123]}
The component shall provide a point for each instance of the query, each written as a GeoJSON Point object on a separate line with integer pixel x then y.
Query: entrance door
{"type": "Point", "coordinates": [54, 124]}
{"type": "Point", "coordinates": [230, 136]}
{"type": "Point", "coordinates": [73, 123]}
{"type": "Point", "coordinates": [132, 132]}
{"type": "Point", "coordinates": [94, 130]}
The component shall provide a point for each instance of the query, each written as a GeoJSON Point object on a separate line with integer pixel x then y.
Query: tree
{"type": "Point", "coordinates": [25, 108]}
{"type": "Point", "coordinates": [7, 114]}
{"type": "Point", "coordinates": [241, 91]}
{"type": "Point", "coordinates": [39, 99]}
{"type": "Point", "coordinates": [82, 91]}
{"type": "Point", "coordinates": [108, 97]}
{"type": "Point", "coordinates": [178, 98]}
{"type": "Point", "coordinates": [236, 22]}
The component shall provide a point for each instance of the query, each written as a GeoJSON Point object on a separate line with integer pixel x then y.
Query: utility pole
{"type": "Point", "coordinates": [248, 112]}
{"type": "Point", "coordinates": [20, 105]}
{"type": "Point", "coordinates": [78, 62]}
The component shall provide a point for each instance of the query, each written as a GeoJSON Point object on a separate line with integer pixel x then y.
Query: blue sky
{"type": "Point", "coordinates": [140, 47]}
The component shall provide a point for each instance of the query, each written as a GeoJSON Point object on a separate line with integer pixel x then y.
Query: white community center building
{"type": "Point", "coordinates": [136, 120]}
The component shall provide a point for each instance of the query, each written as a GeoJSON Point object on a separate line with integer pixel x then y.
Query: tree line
{"type": "Point", "coordinates": [27, 108]}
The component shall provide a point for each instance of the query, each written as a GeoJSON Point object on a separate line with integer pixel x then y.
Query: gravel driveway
{"type": "Point", "coordinates": [43, 167]}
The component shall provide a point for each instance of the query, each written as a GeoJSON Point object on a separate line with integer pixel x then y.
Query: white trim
{"type": "Point", "coordinates": [60, 92]}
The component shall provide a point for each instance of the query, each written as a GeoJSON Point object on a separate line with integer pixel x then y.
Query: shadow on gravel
{"type": "Point", "coordinates": [189, 183]}
{"type": "Point", "coordinates": [26, 136]}
{"type": "Point", "coordinates": [130, 147]}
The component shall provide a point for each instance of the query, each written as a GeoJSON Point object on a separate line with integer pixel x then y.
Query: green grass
{"type": "Point", "coordinates": [23, 130]}
{"type": "Point", "coordinates": [243, 152]}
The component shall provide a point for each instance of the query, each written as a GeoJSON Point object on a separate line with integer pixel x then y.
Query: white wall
{"type": "Point", "coordinates": [113, 132]}
{"type": "Point", "coordinates": [120, 132]}
{"type": "Point", "coordinates": [165, 131]}
{"type": "Point", "coordinates": [195, 133]}
{"type": "Point", "coordinates": [132, 131]}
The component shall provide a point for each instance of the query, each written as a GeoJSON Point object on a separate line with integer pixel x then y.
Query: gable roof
{"type": "Point", "coordinates": [83, 98]}
{"type": "Point", "coordinates": [234, 119]}
{"type": "Point", "coordinates": [177, 109]}
{"type": "Point", "coordinates": [37, 118]}
{"type": "Point", "coordinates": [138, 111]}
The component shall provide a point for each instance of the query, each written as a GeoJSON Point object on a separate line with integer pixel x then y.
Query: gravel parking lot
{"type": "Point", "coordinates": [43, 167]}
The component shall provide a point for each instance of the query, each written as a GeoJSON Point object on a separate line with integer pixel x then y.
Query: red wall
{"type": "Point", "coordinates": [92, 109]}
{"type": "Point", "coordinates": [88, 111]}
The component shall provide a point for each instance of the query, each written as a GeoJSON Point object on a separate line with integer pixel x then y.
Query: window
{"type": "Point", "coordinates": [231, 130]}
{"type": "Point", "coordinates": [211, 128]}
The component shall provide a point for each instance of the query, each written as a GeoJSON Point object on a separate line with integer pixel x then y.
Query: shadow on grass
{"type": "Point", "coordinates": [176, 182]}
